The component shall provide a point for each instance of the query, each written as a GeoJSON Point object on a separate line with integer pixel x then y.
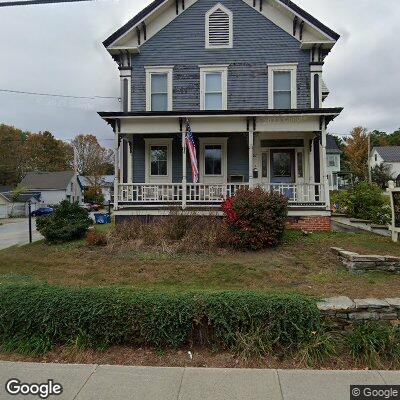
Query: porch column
{"type": "Point", "coordinates": [324, 168]}
{"type": "Point", "coordinates": [184, 165]}
{"type": "Point", "coordinates": [116, 168]}
{"type": "Point", "coordinates": [251, 156]}
{"type": "Point", "coordinates": [130, 160]}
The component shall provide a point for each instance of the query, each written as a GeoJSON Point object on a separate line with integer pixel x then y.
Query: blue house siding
{"type": "Point", "coordinates": [237, 157]}
{"type": "Point", "coordinates": [256, 43]}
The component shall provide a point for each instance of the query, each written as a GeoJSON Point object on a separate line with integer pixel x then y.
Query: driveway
{"type": "Point", "coordinates": [15, 231]}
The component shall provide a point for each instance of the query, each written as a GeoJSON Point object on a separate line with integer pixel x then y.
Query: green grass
{"type": "Point", "coordinates": [302, 264]}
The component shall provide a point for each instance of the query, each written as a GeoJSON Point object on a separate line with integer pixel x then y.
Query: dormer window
{"type": "Point", "coordinates": [219, 28]}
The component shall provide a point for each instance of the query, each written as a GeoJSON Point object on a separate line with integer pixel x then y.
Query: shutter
{"type": "Point", "coordinates": [218, 26]}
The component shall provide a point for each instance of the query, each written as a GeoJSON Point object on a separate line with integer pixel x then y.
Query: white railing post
{"type": "Point", "coordinates": [184, 181]}
{"type": "Point", "coordinates": [325, 183]}
{"type": "Point", "coordinates": [251, 146]}
{"type": "Point", "coordinates": [116, 168]}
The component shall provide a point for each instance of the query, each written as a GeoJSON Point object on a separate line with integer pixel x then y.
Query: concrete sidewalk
{"type": "Point", "coordinates": [105, 382]}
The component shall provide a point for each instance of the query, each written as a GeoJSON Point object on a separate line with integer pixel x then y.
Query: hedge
{"type": "Point", "coordinates": [98, 317]}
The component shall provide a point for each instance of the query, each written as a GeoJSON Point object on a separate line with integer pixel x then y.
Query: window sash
{"type": "Point", "coordinates": [158, 160]}
{"type": "Point", "coordinates": [210, 93]}
{"type": "Point", "coordinates": [282, 92]}
{"type": "Point", "coordinates": [159, 92]}
{"type": "Point", "coordinates": [213, 160]}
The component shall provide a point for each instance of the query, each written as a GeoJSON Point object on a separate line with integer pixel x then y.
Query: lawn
{"type": "Point", "coordinates": [303, 264]}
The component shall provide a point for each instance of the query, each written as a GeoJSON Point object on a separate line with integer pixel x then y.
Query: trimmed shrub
{"type": "Point", "coordinates": [255, 218]}
{"type": "Point", "coordinates": [68, 222]}
{"type": "Point", "coordinates": [363, 201]}
{"type": "Point", "coordinates": [39, 316]}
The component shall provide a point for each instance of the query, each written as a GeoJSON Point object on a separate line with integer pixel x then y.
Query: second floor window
{"type": "Point", "coordinates": [159, 92]}
{"type": "Point", "coordinates": [213, 88]}
{"type": "Point", "coordinates": [332, 160]}
{"type": "Point", "coordinates": [158, 88]}
{"type": "Point", "coordinates": [282, 90]}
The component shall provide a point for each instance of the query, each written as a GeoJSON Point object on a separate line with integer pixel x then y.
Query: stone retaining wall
{"type": "Point", "coordinates": [359, 263]}
{"type": "Point", "coordinates": [344, 311]}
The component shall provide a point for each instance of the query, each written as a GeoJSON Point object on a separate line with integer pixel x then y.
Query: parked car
{"type": "Point", "coordinates": [42, 211]}
{"type": "Point", "coordinates": [91, 207]}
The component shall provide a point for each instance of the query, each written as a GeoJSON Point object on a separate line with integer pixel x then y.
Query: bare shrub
{"type": "Point", "coordinates": [174, 233]}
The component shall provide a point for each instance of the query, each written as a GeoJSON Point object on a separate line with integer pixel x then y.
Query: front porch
{"type": "Point", "coordinates": [277, 152]}
{"type": "Point", "coordinates": [195, 195]}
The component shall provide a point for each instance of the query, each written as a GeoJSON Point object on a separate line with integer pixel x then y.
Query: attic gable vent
{"type": "Point", "coordinates": [219, 30]}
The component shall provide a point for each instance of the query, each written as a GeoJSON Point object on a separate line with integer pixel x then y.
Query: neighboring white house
{"type": "Point", "coordinates": [18, 207]}
{"type": "Point", "coordinates": [53, 187]}
{"type": "Point", "coordinates": [332, 162]}
{"type": "Point", "coordinates": [388, 155]}
{"type": "Point", "coordinates": [105, 181]}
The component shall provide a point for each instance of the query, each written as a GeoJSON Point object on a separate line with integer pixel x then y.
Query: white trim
{"type": "Point", "coordinates": [289, 67]}
{"type": "Point", "coordinates": [207, 27]}
{"type": "Point", "coordinates": [302, 18]}
{"type": "Point", "coordinates": [159, 70]}
{"type": "Point", "coordinates": [222, 141]}
{"type": "Point", "coordinates": [158, 142]}
{"type": "Point", "coordinates": [210, 69]}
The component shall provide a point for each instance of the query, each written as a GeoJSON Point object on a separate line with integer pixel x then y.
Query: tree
{"type": "Point", "coordinates": [356, 152]}
{"type": "Point", "coordinates": [381, 175]}
{"type": "Point", "coordinates": [92, 159]}
{"type": "Point", "coordinates": [11, 155]}
{"type": "Point", "coordinates": [44, 152]}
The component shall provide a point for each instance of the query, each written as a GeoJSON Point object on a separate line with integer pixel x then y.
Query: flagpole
{"type": "Point", "coordinates": [184, 183]}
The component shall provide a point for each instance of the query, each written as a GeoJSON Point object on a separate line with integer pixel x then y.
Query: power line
{"type": "Point", "coordinates": [36, 2]}
{"type": "Point", "coordinates": [59, 95]}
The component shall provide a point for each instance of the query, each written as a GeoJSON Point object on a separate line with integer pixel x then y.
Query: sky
{"type": "Point", "coordinates": [58, 49]}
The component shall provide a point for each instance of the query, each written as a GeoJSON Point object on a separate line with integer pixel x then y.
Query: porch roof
{"type": "Point", "coordinates": [332, 112]}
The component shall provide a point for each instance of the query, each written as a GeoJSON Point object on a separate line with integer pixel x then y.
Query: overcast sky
{"type": "Point", "coordinates": [57, 49]}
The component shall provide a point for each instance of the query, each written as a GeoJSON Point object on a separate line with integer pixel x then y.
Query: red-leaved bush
{"type": "Point", "coordinates": [255, 218]}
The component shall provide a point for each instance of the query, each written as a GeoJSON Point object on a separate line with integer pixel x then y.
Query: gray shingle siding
{"type": "Point", "coordinates": [237, 157]}
{"type": "Point", "coordinates": [256, 42]}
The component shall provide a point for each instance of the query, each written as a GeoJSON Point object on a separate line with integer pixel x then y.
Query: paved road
{"type": "Point", "coordinates": [14, 231]}
{"type": "Point", "coordinates": [102, 382]}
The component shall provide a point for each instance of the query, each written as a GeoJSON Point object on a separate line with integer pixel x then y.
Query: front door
{"type": "Point", "coordinates": [282, 166]}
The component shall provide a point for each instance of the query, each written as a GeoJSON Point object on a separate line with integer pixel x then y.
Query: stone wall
{"type": "Point", "coordinates": [359, 263]}
{"type": "Point", "coordinates": [344, 311]}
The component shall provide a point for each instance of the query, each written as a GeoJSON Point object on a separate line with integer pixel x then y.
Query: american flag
{"type": "Point", "coordinates": [192, 152]}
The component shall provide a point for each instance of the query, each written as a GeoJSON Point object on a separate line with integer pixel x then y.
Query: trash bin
{"type": "Point", "coordinates": [102, 218]}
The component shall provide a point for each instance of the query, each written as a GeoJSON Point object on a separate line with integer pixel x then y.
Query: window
{"type": "Point", "coordinates": [159, 160]}
{"type": "Point", "coordinates": [332, 160]}
{"type": "Point", "coordinates": [158, 88]}
{"type": "Point", "coordinates": [213, 87]}
{"type": "Point", "coordinates": [219, 28]}
{"type": "Point", "coordinates": [376, 157]}
{"type": "Point", "coordinates": [212, 159]}
{"type": "Point", "coordinates": [282, 92]}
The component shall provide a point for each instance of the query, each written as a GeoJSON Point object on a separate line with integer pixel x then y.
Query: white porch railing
{"type": "Point", "coordinates": [200, 193]}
